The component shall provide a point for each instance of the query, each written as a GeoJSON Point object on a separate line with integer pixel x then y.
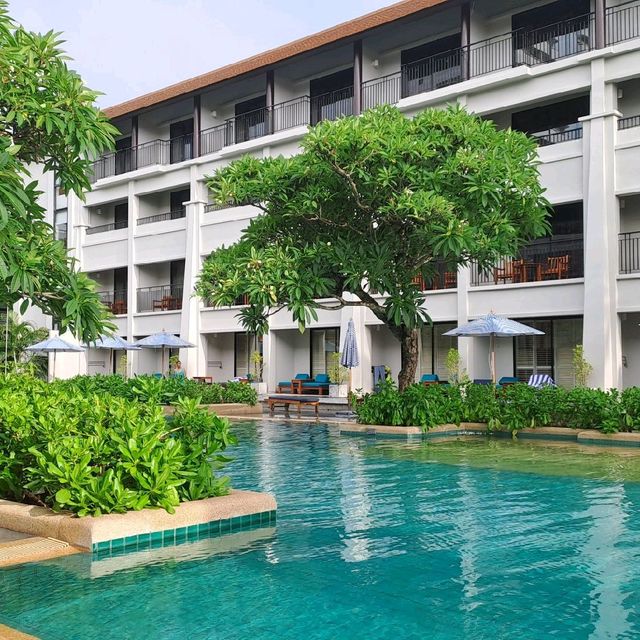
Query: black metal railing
{"type": "Point", "coordinates": [115, 301]}
{"type": "Point", "coordinates": [256, 124]}
{"type": "Point", "coordinates": [435, 72]}
{"type": "Point", "coordinates": [103, 228]}
{"type": "Point", "coordinates": [332, 105]}
{"type": "Point", "coordinates": [166, 297]}
{"type": "Point", "coordinates": [214, 206]}
{"type": "Point", "coordinates": [125, 160]}
{"type": "Point", "coordinates": [542, 260]}
{"type": "Point", "coordinates": [558, 134]}
{"type": "Point", "coordinates": [623, 22]}
{"type": "Point", "coordinates": [629, 252]}
{"type": "Point", "coordinates": [629, 122]}
{"type": "Point", "coordinates": [160, 217]}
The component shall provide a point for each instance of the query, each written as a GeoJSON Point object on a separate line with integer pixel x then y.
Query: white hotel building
{"type": "Point", "coordinates": [566, 72]}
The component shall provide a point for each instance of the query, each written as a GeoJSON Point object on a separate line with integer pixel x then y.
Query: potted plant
{"type": "Point", "coordinates": [338, 376]}
{"type": "Point", "coordinates": [255, 378]}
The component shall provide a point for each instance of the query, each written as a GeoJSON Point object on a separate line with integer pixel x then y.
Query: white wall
{"type": "Point", "coordinates": [220, 348]}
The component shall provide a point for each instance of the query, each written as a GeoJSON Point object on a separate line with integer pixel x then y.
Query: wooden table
{"type": "Point", "coordinates": [204, 379]}
{"type": "Point", "coordinates": [296, 386]}
{"type": "Point", "coordinates": [286, 401]}
{"type": "Point", "coordinates": [530, 266]}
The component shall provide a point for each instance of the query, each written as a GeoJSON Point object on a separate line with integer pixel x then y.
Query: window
{"type": "Point", "coordinates": [552, 31]}
{"type": "Point", "coordinates": [431, 66]}
{"type": "Point", "coordinates": [245, 345]}
{"type": "Point", "coordinates": [551, 353]}
{"type": "Point", "coordinates": [323, 343]}
{"type": "Point", "coordinates": [332, 96]}
{"type": "Point", "coordinates": [176, 200]}
{"type": "Point", "coordinates": [435, 347]}
{"type": "Point", "coordinates": [60, 225]}
{"type": "Point", "coordinates": [555, 122]}
{"type": "Point", "coordinates": [181, 143]}
{"type": "Point", "coordinates": [123, 155]}
{"type": "Point", "coordinates": [121, 216]}
{"type": "Point", "coordinates": [250, 119]}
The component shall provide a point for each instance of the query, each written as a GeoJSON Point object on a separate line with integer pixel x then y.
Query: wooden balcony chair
{"type": "Point", "coordinates": [512, 271]}
{"type": "Point", "coordinates": [119, 307]}
{"type": "Point", "coordinates": [557, 268]}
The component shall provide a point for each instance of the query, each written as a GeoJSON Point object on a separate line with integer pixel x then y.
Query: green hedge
{"type": "Point", "coordinates": [513, 407]}
{"type": "Point", "coordinates": [92, 452]}
{"type": "Point", "coordinates": [163, 391]}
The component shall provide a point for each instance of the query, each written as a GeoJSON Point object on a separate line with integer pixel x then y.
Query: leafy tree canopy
{"type": "Point", "coordinates": [47, 117]}
{"type": "Point", "coordinates": [370, 203]}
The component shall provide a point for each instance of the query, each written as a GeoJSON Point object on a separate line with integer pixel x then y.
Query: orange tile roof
{"type": "Point", "coordinates": [309, 43]}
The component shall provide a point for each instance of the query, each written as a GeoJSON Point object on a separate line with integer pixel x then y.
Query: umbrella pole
{"type": "Point", "coordinates": [492, 340]}
{"type": "Point", "coordinates": [349, 385]}
{"type": "Point", "coordinates": [162, 362]}
{"type": "Point", "coordinates": [53, 373]}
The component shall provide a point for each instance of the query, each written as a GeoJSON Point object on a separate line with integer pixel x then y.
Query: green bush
{"type": "Point", "coordinates": [163, 390]}
{"type": "Point", "coordinates": [513, 407]}
{"type": "Point", "coordinates": [93, 452]}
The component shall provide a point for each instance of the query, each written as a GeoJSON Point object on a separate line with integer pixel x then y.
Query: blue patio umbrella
{"type": "Point", "coordinates": [54, 344]}
{"type": "Point", "coordinates": [350, 357]}
{"type": "Point", "coordinates": [114, 343]}
{"type": "Point", "coordinates": [495, 327]}
{"type": "Point", "coordinates": [163, 340]}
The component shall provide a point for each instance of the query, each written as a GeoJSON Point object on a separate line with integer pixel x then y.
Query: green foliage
{"type": "Point", "coordinates": [94, 453]}
{"type": "Point", "coordinates": [582, 369]}
{"type": "Point", "coordinates": [48, 117]}
{"type": "Point", "coordinates": [162, 391]}
{"type": "Point", "coordinates": [370, 203]}
{"type": "Point", "coordinates": [336, 372]}
{"type": "Point", "coordinates": [512, 408]}
{"type": "Point", "coordinates": [257, 362]}
{"type": "Point", "coordinates": [15, 337]}
{"type": "Point", "coordinates": [456, 373]}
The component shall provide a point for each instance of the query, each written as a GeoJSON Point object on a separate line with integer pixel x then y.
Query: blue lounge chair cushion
{"type": "Point", "coordinates": [430, 377]}
{"type": "Point", "coordinates": [314, 385]}
{"type": "Point", "coordinates": [323, 378]}
{"type": "Point", "coordinates": [302, 376]}
{"type": "Point", "coordinates": [508, 380]}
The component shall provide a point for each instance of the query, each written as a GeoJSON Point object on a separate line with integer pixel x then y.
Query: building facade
{"type": "Point", "coordinates": [566, 72]}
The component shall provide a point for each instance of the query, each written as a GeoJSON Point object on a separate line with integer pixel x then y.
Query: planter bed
{"type": "Point", "coordinates": [142, 529]}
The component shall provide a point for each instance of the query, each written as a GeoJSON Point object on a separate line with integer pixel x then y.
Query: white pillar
{"type": "Point", "coordinates": [132, 278]}
{"type": "Point", "coordinates": [601, 334]}
{"type": "Point", "coordinates": [466, 346]}
{"type": "Point", "coordinates": [193, 360]}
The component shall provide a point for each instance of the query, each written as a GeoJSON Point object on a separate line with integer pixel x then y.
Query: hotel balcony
{"type": "Point", "coordinates": [544, 260]}
{"type": "Point", "coordinates": [334, 95]}
{"type": "Point", "coordinates": [115, 301]}
{"type": "Point", "coordinates": [166, 297]}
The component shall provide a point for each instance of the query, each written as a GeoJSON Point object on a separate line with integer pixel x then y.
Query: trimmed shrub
{"type": "Point", "coordinates": [513, 407]}
{"type": "Point", "coordinates": [68, 448]}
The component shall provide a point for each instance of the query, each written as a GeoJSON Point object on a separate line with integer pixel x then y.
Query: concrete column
{"type": "Point", "coordinates": [357, 77]}
{"type": "Point", "coordinates": [465, 39]}
{"type": "Point", "coordinates": [197, 126]}
{"type": "Point", "coordinates": [601, 24]}
{"type": "Point", "coordinates": [134, 142]}
{"type": "Point", "coordinates": [601, 333]}
{"type": "Point", "coordinates": [193, 360]}
{"type": "Point", "coordinates": [132, 278]}
{"type": "Point", "coordinates": [270, 97]}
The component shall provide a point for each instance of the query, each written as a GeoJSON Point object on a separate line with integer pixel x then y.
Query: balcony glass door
{"type": "Point", "coordinates": [122, 157]}
{"type": "Point", "coordinates": [332, 96]}
{"type": "Point", "coordinates": [181, 142]}
{"type": "Point", "coordinates": [250, 120]}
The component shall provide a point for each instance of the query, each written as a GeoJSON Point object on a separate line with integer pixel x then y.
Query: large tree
{"type": "Point", "coordinates": [47, 118]}
{"type": "Point", "coordinates": [370, 203]}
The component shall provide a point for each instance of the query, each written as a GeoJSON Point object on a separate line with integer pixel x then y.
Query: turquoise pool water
{"type": "Point", "coordinates": [377, 540]}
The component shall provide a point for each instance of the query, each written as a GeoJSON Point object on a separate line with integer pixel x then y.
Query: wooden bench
{"type": "Point", "coordinates": [298, 401]}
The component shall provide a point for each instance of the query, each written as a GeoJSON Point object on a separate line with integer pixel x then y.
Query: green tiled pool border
{"type": "Point", "coordinates": [171, 537]}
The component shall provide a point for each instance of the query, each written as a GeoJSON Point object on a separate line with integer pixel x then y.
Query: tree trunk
{"type": "Point", "coordinates": [408, 357]}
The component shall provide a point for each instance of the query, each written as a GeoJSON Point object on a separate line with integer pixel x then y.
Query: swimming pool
{"type": "Point", "coordinates": [374, 539]}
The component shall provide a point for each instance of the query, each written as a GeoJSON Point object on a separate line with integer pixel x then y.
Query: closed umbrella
{"type": "Point", "coordinates": [114, 343]}
{"type": "Point", "coordinates": [495, 327]}
{"type": "Point", "coordinates": [163, 340]}
{"type": "Point", "coordinates": [350, 357]}
{"type": "Point", "coordinates": [53, 345]}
